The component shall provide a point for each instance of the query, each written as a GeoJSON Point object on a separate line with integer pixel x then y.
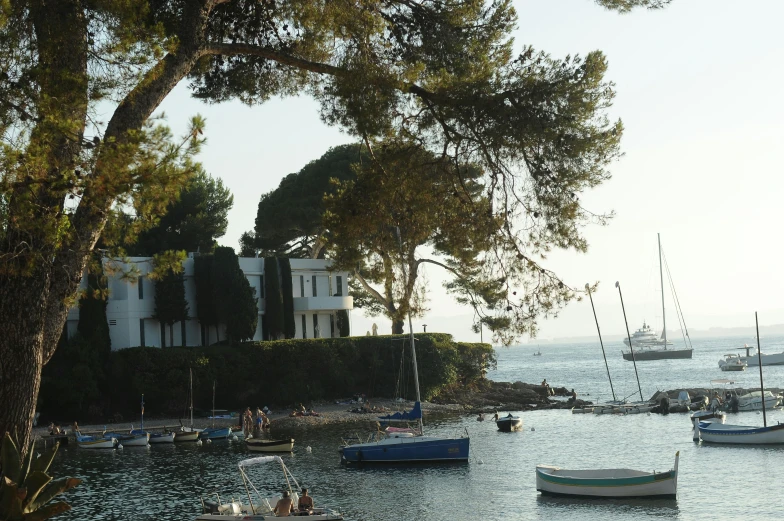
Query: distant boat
{"type": "Point", "coordinates": [732, 362]}
{"type": "Point", "coordinates": [509, 423]}
{"type": "Point", "coordinates": [154, 437]}
{"type": "Point", "coordinates": [188, 433]}
{"type": "Point", "coordinates": [753, 359]}
{"type": "Point", "coordinates": [607, 483]}
{"type": "Point", "coordinates": [644, 345]}
{"type": "Point", "coordinates": [538, 352]}
{"type": "Point", "coordinates": [213, 432]}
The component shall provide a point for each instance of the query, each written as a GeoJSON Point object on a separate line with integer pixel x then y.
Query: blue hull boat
{"type": "Point", "coordinates": [407, 448]}
{"type": "Point", "coordinates": [215, 433]}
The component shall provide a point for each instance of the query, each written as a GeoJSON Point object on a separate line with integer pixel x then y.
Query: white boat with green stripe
{"type": "Point", "coordinates": [607, 483]}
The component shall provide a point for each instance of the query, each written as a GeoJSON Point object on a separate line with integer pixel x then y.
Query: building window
{"type": "Point", "coordinates": [141, 332]}
{"type": "Point", "coordinates": [261, 286]}
{"type": "Point", "coordinates": [339, 284]}
{"type": "Point", "coordinates": [315, 326]}
{"type": "Point", "coordinates": [302, 290]}
{"type": "Point", "coordinates": [304, 327]}
{"type": "Point", "coordinates": [313, 284]}
{"type": "Point", "coordinates": [141, 288]}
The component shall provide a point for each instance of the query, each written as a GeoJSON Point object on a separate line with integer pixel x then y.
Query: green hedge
{"type": "Point", "coordinates": [285, 372]}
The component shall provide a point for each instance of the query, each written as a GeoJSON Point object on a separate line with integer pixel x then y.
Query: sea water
{"type": "Point", "coordinates": [498, 483]}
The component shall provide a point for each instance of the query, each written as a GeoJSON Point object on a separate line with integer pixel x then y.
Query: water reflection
{"type": "Point", "coordinates": [555, 507]}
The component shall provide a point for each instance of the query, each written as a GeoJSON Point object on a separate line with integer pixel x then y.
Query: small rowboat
{"type": "Point", "coordinates": [129, 440]}
{"type": "Point", "coordinates": [714, 416]}
{"type": "Point", "coordinates": [255, 445]}
{"type": "Point", "coordinates": [187, 435]}
{"type": "Point", "coordinates": [607, 483]}
{"type": "Point", "coordinates": [156, 437]}
{"type": "Point", "coordinates": [91, 442]}
{"type": "Point", "coordinates": [713, 432]}
{"type": "Point", "coordinates": [215, 433]}
{"type": "Point", "coordinates": [509, 423]}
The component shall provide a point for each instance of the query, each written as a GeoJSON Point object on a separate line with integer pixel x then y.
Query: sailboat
{"type": "Point", "coordinates": [644, 340]}
{"type": "Point", "coordinates": [213, 432]}
{"type": "Point", "coordinates": [713, 432]}
{"type": "Point", "coordinates": [189, 433]}
{"type": "Point", "coordinates": [153, 437]}
{"type": "Point", "coordinates": [406, 445]}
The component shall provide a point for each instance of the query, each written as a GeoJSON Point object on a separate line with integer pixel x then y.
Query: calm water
{"type": "Point", "coordinates": [498, 482]}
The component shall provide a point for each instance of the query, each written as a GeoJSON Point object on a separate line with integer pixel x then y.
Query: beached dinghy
{"type": "Point", "coordinates": [607, 483]}
{"type": "Point", "coordinates": [91, 442]}
{"type": "Point", "coordinates": [259, 445]}
{"type": "Point", "coordinates": [509, 423]}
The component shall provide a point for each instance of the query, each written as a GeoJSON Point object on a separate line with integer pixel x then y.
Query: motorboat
{"type": "Point", "coordinates": [708, 415]}
{"type": "Point", "coordinates": [129, 440]}
{"type": "Point", "coordinates": [607, 483]}
{"type": "Point", "coordinates": [259, 445]}
{"type": "Point", "coordinates": [714, 432]}
{"type": "Point", "coordinates": [732, 362]}
{"type": "Point", "coordinates": [509, 423]}
{"type": "Point", "coordinates": [752, 401]}
{"type": "Point", "coordinates": [92, 442]}
{"type": "Point", "coordinates": [754, 359]}
{"type": "Point", "coordinates": [258, 507]}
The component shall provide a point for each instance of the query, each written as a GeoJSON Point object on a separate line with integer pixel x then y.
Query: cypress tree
{"type": "Point", "coordinates": [273, 299]}
{"type": "Point", "coordinates": [170, 304]}
{"type": "Point", "coordinates": [287, 288]}
{"type": "Point", "coordinates": [205, 308]}
{"type": "Point", "coordinates": [344, 328]}
{"type": "Point", "coordinates": [233, 297]}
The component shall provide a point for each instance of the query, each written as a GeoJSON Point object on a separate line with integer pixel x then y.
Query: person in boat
{"type": "Point", "coordinates": [481, 417]}
{"type": "Point", "coordinates": [715, 402]}
{"type": "Point", "coordinates": [495, 416]}
{"type": "Point", "coordinates": [55, 430]}
{"type": "Point", "coordinates": [305, 503]}
{"type": "Point", "coordinates": [284, 506]}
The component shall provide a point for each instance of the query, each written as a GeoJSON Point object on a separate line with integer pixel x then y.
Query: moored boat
{"type": "Point", "coordinates": [215, 433]}
{"type": "Point", "coordinates": [129, 440]}
{"type": "Point", "coordinates": [754, 359]}
{"type": "Point", "coordinates": [607, 483]}
{"type": "Point", "coordinates": [732, 362]}
{"type": "Point", "coordinates": [188, 433]}
{"type": "Point", "coordinates": [509, 423]}
{"type": "Point", "coordinates": [709, 415]}
{"type": "Point", "coordinates": [259, 445]}
{"type": "Point", "coordinates": [714, 432]}
{"type": "Point", "coordinates": [91, 442]}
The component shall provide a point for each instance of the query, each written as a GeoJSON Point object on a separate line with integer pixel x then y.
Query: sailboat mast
{"type": "Point", "coordinates": [661, 280]}
{"type": "Point", "coordinates": [191, 393]}
{"type": "Point", "coordinates": [416, 371]}
{"type": "Point", "coordinates": [762, 386]}
{"type": "Point", "coordinates": [588, 289]}
{"type": "Point", "coordinates": [631, 347]}
{"type": "Point", "coordinates": [213, 403]}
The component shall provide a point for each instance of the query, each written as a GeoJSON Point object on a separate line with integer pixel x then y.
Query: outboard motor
{"type": "Point", "coordinates": [664, 405]}
{"type": "Point", "coordinates": [734, 404]}
{"type": "Point", "coordinates": [210, 507]}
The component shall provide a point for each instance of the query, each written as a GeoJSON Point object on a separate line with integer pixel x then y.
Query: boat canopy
{"type": "Point", "coordinates": [413, 414]}
{"type": "Point", "coordinates": [259, 460]}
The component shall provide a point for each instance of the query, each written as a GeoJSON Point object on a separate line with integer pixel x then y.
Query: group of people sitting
{"type": "Point", "coordinates": [303, 412]}
{"type": "Point", "coordinates": [56, 430]}
{"type": "Point", "coordinates": [285, 505]}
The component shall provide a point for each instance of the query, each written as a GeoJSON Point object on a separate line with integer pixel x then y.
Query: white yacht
{"type": "Point", "coordinates": [753, 359]}
{"type": "Point", "coordinates": [646, 337]}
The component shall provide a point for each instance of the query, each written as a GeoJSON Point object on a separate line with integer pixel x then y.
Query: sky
{"type": "Point", "coordinates": [699, 92]}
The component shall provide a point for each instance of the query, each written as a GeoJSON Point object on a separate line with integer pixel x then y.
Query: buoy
{"type": "Point", "coordinates": [308, 449]}
{"type": "Point", "coordinates": [249, 437]}
{"type": "Point", "coordinates": [532, 429]}
{"type": "Point", "coordinates": [234, 437]}
{"type": "Point", "coordinates": [481, 461]}
{"type": "Point", "coordinates": [649, 413]}
{"type": "Point", "coordinates": [148, 445]}
{"type": "Point", "coordinates": [209, 440]}
{"type": "Point", "coordinates": [198, 443]}
{"type": "Point", "coordinates": [120, 446]}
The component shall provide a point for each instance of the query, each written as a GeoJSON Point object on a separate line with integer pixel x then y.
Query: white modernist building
{"type": "Point", "coordinates": [318, 295]}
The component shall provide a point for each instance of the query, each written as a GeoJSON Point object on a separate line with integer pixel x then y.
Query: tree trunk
{"type": "Point", "coordinates": [22, 306]}
{"type": "Point", "coordinates": [397, 327]}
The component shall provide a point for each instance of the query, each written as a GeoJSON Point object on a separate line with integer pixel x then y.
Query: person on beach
{"type": "Point", "coordinates": [76, 429]}
{"type": "Point", "coordinates": [265, 421]}
{"type": "Point", "coordinates": [285, 505]}
{"type": "Point", "coordinates": [305, 503]}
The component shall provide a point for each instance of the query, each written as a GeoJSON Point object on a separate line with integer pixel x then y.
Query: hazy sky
{"type": "Point", "coordinates": [699, 89]}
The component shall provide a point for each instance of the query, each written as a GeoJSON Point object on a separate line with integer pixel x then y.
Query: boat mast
{"type": "Point", "coordinates": [661, 280]}
{"type": "Point", "coordinates": [142, 412]}
{"type": "Point", "coordinates": [631, 348]}
{"type": "Point", "coordinates": [191, 372]}
{"type": "Point", "coordinates": [762, 387]}
{"type": "Point", "coordinates": [411, 334]}
{"type": "Point", "coordinates": [213, 403]}
{"type": "Point", "coordinates": [588, 289]}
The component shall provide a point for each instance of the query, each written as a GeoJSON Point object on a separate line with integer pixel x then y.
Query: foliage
{"type": "Point", "coordinates": [193, 222]}
{"type": "Point", "coordinates": [75, 378]}
{"type": "Point", "coordinates": [336, 368]}
{"type": "Point", "coordinates": [273, 300]}
{"type": "Point", "coordinates": [234, 299]}
{"type": "Point", "coordinates": [443, 74]}
{"type": "Point", "coordinates": [344, 328]}
{"type": "Point", "coordinates": [289, 218]}
{"type": "Point", "coordinates": [206, 308]}
{"type": "Point", "coordinates": [26, 488]}
{"type": "Point", "coordinates": [287, 288]}
{"type": "Point", "coordinates": [170, 303]}
{"type": "Point", "coordinates": [93, 325]}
